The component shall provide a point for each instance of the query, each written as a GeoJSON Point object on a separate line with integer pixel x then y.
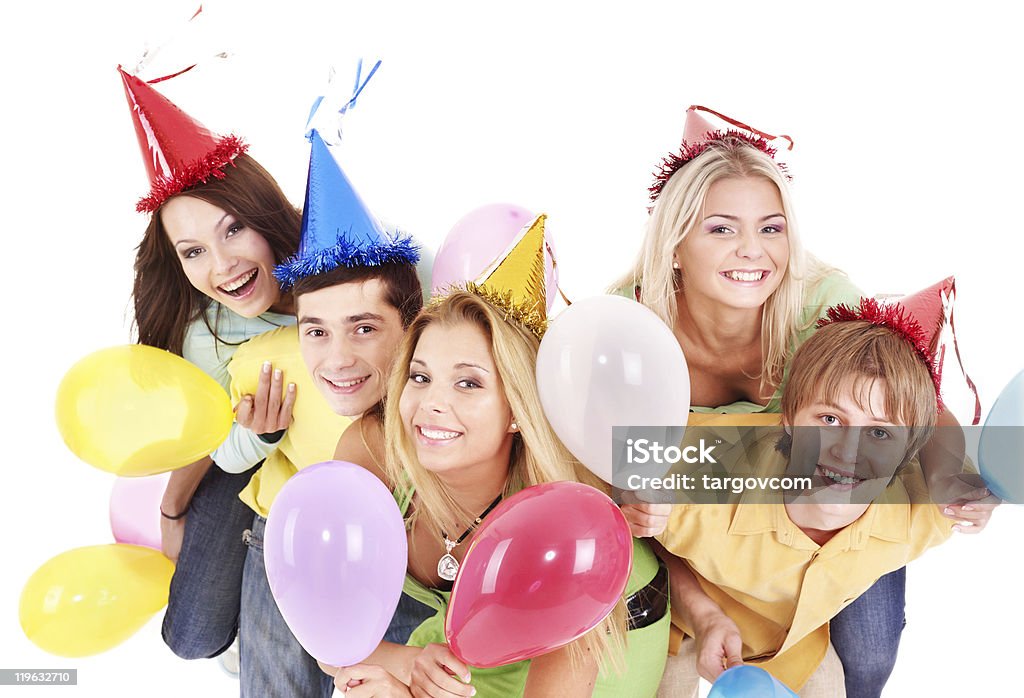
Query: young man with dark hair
{"type": "Point", "coordinates": [356, 290]}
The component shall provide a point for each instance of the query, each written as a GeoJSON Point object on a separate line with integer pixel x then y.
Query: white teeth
{"type": "Point", "coordinates": [346, 384]}
{"type": "Point", "coordinates": [237, 284]}
{"type": "Point", "coordinates": [745, 275]}
{"type": "Point", "coordinates": [836, 477]}
{"type": "Point", "coordinates": [438, 435]}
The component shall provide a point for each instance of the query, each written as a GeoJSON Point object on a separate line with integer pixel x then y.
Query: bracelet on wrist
{"type": "Point", "coordinates": [174, 518]}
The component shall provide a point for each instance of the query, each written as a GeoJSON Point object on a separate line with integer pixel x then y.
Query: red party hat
{"type": "Point", "coordinates": [699, 134]}
{"type": "Point", "coordinates": [925, 319]}
{"type": "Point", "coordinates": [177, 150]}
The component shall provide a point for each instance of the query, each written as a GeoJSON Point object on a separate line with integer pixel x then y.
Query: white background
{"type": "Point", "coordinates": [908, 168]}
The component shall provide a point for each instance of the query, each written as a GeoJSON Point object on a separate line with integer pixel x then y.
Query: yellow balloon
{"type": "Point", "coordinates": [88, 600]}
{"type": "Point", "coordinates": [136, 410]}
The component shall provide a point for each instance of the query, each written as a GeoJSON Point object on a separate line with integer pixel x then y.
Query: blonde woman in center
{"type": "Point", "coordinates": [464, 428]}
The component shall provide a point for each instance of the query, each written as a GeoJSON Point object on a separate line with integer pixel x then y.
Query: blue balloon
{"type": "Point", "coordinates": [748, 681]}
{"type": "Point", "coordinates": [1001, 448]}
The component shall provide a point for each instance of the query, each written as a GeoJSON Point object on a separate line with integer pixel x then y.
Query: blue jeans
{"type": "Point", "coordinates": [202, 609]}
{"type": "Point", "coordinates": [273, 662]}
{"type": "Point", "coordinates": [866, 635]}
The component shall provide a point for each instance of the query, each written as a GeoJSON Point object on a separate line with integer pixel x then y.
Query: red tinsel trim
{"type": "Point", "coordinates": [687, 152]}
{"type": "Point", "coordinates": [211, 165]}
{"type": "Point", "coordinates": [896, 318]}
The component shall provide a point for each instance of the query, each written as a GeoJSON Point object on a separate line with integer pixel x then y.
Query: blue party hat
{"type": "Point", "coordinates": [337, 228]}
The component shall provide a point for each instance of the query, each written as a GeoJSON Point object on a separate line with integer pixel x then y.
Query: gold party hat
{"type": "Point", "coordinates": [514, 282]}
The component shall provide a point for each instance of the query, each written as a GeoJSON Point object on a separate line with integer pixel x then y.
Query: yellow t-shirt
{"type": "Point", "coordinates": [315, 429]}
{"type": "Point", "coordinates": [780, 587]}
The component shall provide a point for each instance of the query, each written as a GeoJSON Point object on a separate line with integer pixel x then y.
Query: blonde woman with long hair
{"type": "Point", "coordinates": [463, 430]}
{"type": "Point", "coordinates": [722, 265]}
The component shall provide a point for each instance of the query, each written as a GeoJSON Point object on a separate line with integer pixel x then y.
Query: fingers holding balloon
{"type": "Point", "coordinates": [719, 645]}
{"type": "Point", "coordinates": [270, 409]}
{"type": "Point", "coordinates": [369, 681]}
{"type": "Point", "coordinates": [973, 517]}
{"type": "Point", "coordinates": [436, 671]}
{"type": "Point", "coordinates": [646, 520]}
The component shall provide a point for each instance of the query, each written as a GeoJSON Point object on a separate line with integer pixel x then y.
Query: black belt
{"type": "Point", "coordinates": [650, 604]}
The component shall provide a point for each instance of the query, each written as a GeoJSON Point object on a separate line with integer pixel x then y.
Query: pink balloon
{"type": "Point", "coordinates": [135, 509]}
{"type": "Point", "coordinates": [545, 568]}
{"type": "Point", "coordinates": [608, 361]}
{"type": "Point", "coordinates": [478, 239]}
{"type": "Point", "coordinates": [335, 552]}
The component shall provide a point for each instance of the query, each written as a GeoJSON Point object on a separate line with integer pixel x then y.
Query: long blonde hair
{"type": "Point", "coordinates": [537, 454]}
{"type": "Point", "coordinates": [678, 212]}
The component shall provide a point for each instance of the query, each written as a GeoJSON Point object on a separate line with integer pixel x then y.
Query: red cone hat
{"type": "Point", "coordinates": [177, 150]}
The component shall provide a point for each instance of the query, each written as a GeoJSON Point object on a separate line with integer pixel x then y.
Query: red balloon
{"type": "Point", "coordinates": [546, 567]}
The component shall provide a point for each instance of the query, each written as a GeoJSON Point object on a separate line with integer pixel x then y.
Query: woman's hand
{"type": "Point", "coordinates": [267, 412]}
{"type": "Point", "coordinates": [646, 520]}
{"type": "Point", "coordinates": [719, 646]}
{"type": "Point", "coordinates": [369, 681]}
{"type": "Point", "coordinates": [438, 673]}
{"type": "Point", "coordinates": [971, 503]}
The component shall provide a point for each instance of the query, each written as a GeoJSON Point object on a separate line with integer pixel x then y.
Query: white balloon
{"type": "Point", "coordinates": [608, 361]}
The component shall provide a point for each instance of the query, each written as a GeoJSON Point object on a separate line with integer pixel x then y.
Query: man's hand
{"type": "Point", "coordinates": [719, 646]}
{"type": "Point", "coordinates": [270, 409]}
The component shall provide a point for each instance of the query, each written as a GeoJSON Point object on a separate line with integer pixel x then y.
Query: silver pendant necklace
{"type": "Point", "coordinates": [448, 566]}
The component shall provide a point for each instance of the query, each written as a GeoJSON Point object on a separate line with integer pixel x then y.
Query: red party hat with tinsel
{"type": "Point", "coordinates": [699, 135]}
{"type": "Point", "coordinates": [900, 321]}
{"type": "Point", "coordinates": [177, 150]}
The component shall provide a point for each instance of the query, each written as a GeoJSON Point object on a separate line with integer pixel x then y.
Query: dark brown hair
{"type": "Point", "coordinates": [402, 288]}
{"type": "Point", "coordinates": [165, 302]}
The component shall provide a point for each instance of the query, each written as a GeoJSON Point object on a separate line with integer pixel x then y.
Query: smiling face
{"type": "Point", "coordinates": [853, 448]}
{"type": "Point", "coordinates": [221, 257]}
{"type": "Point", "coordinates": [738, 253]}
{"type": "Point", "coordinates": [453, 406]}
{"type": "Point", "coordinates": [348, 334]}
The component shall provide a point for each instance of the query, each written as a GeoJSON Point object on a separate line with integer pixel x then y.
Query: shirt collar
{"type": "Point", "coordinates": [881, 520]}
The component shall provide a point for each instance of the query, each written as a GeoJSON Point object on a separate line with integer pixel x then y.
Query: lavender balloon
{"type": "Point", "coordinates": [335, 553]}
